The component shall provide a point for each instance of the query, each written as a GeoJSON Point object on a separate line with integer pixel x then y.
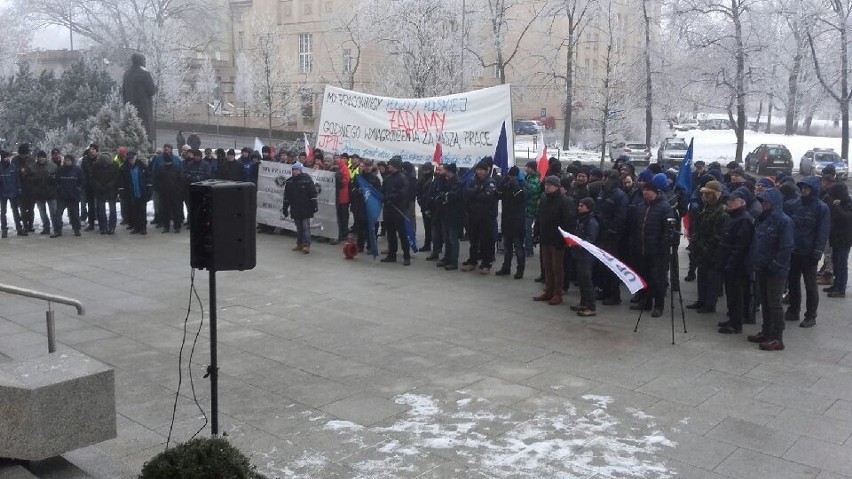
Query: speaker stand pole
{"type": "Point", "coordinates": [213, 368]}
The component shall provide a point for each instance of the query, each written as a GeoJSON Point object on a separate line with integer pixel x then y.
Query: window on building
{"type": "Point", "coordinates": [347, 60]}
{"type": "Point", "coordinates": [306, 102]}
{"type": "Point", "coordinates": [307, 7]}
{"type": "Point", "coordinates": [497, 72]}
{"type": "Point", "coordinates": [306, 56]}
{"type": "Point", "coordinates": [241, 41]}
{"type": "Point", "coordinates": [595, 41]}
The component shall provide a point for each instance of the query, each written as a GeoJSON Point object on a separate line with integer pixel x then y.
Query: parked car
{"type": "Point", "coordinates": [671, 152]}
{"type": "Point", "coordinates": [815, 160]}
{"type": "Point", "coordinates": [768, 158]}
{"type": "Point", "coordinates": [714, 124]}
{"type": "Point", "coordinates": [637, 152]}
{"type": "Point", "coordinates": [528, 127]}
{"type": "Point", "coordinates": [686, 125]}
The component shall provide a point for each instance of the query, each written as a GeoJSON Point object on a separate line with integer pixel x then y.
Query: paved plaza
{"type": "Point", "coordinates": [335, 368]}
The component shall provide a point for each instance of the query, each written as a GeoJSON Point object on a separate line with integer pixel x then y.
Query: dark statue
{"type": "Point", "coordinates": [138, 89]}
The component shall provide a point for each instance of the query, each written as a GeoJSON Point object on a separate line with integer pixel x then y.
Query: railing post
{"type": "Point", "coordinates": [51, 332]}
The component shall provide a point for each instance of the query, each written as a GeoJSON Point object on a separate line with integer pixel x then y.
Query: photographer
{"type": "Point", "coordinates": [656, 227]}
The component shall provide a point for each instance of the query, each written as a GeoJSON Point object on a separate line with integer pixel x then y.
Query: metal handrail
{"type": "Point", "coordinates": [50, 298]}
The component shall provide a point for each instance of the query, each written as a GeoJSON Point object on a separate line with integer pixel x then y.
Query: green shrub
{"type": "Point", "coordinates": [201, 458]}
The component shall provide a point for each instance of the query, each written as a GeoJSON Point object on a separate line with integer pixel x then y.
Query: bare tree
{"type": "Point", "coordinates": [610, 102]}
{"type": "Point", "coordinates": [497, 19]}
{"type": "Point", "coordinates": [835, 28]}
{"type": "Point", "coordinates": [649, 91]}
{"type": "Point", "coordinates": [265, 84]}
{"type": "Point", "coordinates": [722, 24]}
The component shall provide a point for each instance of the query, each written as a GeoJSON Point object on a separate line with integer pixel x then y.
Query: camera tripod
{"type": "Point", "coordinates": [674, 279]}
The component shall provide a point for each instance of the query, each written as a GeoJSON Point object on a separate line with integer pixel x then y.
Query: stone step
{"type": "Point", "coordinates": [15, 471]}
{"type": "Point", "coordinates": [56, 468]}
{"type": "Point", "coordinates": [99, 464]}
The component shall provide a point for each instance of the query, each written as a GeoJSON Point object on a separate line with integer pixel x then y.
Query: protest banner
{"type": "Point", "coordinates": [466, 125]}
{"type": "Point", "coordinates": [270, 198]}
{"type": "Point", "coordinates": [630, 278]}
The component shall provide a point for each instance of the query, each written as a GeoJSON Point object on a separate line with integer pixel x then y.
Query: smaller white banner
{"type": "Point", "coordinates": [270, 198]}
{"type": "Point", "coordinates": [634, 282]}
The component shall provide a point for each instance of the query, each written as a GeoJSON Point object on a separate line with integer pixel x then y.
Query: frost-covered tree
{"type": "Point", "coordinates": [206, 83]}
{"type": "Point", "coordinates": [265, 83]}
{"type": "Point", "coordinates": [82, 89]}
{"type": "Point", "coordinates": [28, 105]}
{"type": "Point", "coordinates": [117, 124]}
{"type": "Point", "coordinates": [70, 138]}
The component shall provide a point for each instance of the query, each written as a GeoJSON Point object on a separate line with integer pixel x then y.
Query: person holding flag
{"type": "Point", "coordinates": [396, 193]}
{"type": "Point", "coordinates": [532, 189]}
{"type": "Point", "coordinates": [366, 207]}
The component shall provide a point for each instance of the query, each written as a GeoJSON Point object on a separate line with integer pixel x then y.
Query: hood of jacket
{"type": "Point", "coordinates": [813, 182]}
{"type": "Point", "coordinates": [774, 197]}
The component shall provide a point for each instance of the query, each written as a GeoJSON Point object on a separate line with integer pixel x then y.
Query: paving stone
{"type": "Point", "coordinates": [822, 455]}
{"type": "Point", "coordinates": [753, 436]}
{"type": "Point", "coordinates": [698, 451]}
{"type": "Point", "coordinates": [363, 409]}
{"type": "Point", "coordinates": [841, 409]}
{"type": "Point", "coordinates": [795, 398]}
{"type": "Point", "coordinates": [746, 464]}
{"type": "Point", "coordinates": [819, 427]}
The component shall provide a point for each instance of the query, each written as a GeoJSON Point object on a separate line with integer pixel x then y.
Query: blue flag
{"type": "Point", "coordinates": [501, 155]}
{"type": "Point", "coordinates": [410, 236]}
{"type": "Point", "coordinates": [684, 173]}
{"type": "Point", "coordinates": [373, 204]}
{"type": "Point", "coordinates": [468, 176]}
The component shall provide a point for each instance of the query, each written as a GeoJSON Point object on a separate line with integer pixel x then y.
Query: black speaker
{"type": "Point", "coordinates": [223, 225]}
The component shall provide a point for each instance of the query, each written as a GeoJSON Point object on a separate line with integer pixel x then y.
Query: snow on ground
{"type": "Point", "coordinates": [560, 438]}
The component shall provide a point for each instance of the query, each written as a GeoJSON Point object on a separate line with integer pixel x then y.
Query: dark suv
{"type": "Point", "coordinates": [769, 158]}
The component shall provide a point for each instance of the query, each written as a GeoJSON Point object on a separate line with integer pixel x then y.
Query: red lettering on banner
{"type": "Point", "coordinates": [408, 121]}
{"type": "Point", "coordinates": [328, 142]}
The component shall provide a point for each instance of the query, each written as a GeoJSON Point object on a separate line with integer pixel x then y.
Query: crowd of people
{"type": "Point", "coordinates": [754, 241]}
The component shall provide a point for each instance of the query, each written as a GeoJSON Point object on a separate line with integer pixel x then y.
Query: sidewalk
{"type": "Point", "coordinates": [334, 368]}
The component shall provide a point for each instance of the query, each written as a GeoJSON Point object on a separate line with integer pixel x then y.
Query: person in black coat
{"type": "Point", "coordinates": [425, 178]}
{"type": "Point", "coordinates": [588, 229]}
{"type": "Point", "coordinates": [397, 198]}
{"type": "Point", "coordinates": [481, 202]}
{"type": "Point", "coordinates": [105, 186]}
{"type": "Point", "coordinates": [358, 204]}
{"type": "Point", "coordinates": [231, 169]}
{"type": "Point", "coordinates": [652, 234]}
{"type": "Point", "coordinates": [839, 236]}
{"type": "Point", "coordinates": [89, 208]}
{"type": "Point", "coordinates": [731, 256]}
{"type": "Point", "coordinates": [300, 201]}
{"type": "Point", "coordinates": [514, 201]}
{"type": "Point", "coordinates": [169, 181]}
{"type": "Point", "coordinates": [450, 201]}
{"type": "Point", "coordinates": [41, 179]}
{"type": "Point", "coordinates": [70, 186]}
{"type": "Point", "coordinates": [555, 211]}
{"type": "Point", "coordinates": [135, 184]}
{"type": "Point", "coordinates": [611, 208]}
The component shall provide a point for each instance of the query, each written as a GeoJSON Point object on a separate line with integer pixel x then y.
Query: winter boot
{"type": "Point", "coordinates": [4, 234]}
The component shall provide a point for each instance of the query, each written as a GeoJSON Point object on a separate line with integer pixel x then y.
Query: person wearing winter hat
{"type": "Point", "coordinates": [300, 201]}
{"type": "Point", "coordinates": [135, 182]}
{"type": "Point", "coordinates": [230, 169]}
{"type": "Point", "coordinates": [481, 201]}
{"type": "Point", "coordinates": [580, 188]}
{"type": "Point", "coordinates": [450, 201]}
{"type": "Point", "coordinates": [840, 237]}
{"type": "Point", "coordinates": [611, 213]}
{"type": "Point", "coordinates": [397, 196]}
{"type": "Point", "coordinates": [707, 233]}
{"type": "Point", "coordinates": [555, 211]}
{"type": "Point", "coordinates": [533, 190]}
{"type": "Point", "coordinates": [731, 254]}
{"type": "Point", "coordinates": [513, 199]}
{"type": "Point", "coordinates": [24, 161]}
{"type": "Point", "coordinates": [652, 234]}
{"type": "Point", "coordinates": [588, 229]}
{"type": "Point", "coordinates": [811, 222]}
{"type": "Point", "coordinates": [10, 192]}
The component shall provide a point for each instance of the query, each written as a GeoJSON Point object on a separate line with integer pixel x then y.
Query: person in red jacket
{"type": "Point", "coordinates": [341, 180]}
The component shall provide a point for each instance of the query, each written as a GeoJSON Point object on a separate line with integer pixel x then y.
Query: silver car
{"type": "Point", "coordinates": [636, 152]}
{"type": "Point", "coordinates": [671, 152]}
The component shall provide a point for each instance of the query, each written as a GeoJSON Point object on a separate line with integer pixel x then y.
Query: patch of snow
{"type": "Point", "coordinates": [342, 425]}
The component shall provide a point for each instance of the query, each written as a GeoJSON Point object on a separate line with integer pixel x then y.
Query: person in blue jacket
{"type": "Point", "coordinates": [70, 188]}
{"type": "Point", "coordinates": [10, 191]}
{"type": "Point", "coordinates": [811, 222]}
{"type": "Point", "coordinates": [770, 261]}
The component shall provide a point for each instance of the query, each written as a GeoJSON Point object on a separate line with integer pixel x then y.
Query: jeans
{"type": "Point", "coordinates": [827, 260]}
{"type": "Point", "coordinates": [653, 269]}
{"type": "Point", "coordinates": [342, 221]}
{"type": "Point", "coordinates": [513, 246]}
{"type": "Point", "coordinates": [769, 289]}
{"type": "Point", "coordinates": [553, 271]}
{"type": "Point", "coordinates": [736, 285]}
{"type": "Point", "coordinates": [584, 265]}
{"type": "Point", "coordinates": [303, 231]}
{"type": "Point", "coordinates": [803, 267]}
{"type": "Point", "coordinates": [840, 258]}
{"type": "Point", "coordinates": [709, 282]}
{"type": "Point", "coordinates": [73, 208]}
{"type": "Point", "coordinates": [528, 234]}
{"type": "Point", "coordinates": [106, 223]}
{"type": "Point", "coordinates": [16, 214]}
{"type": "Point", "coordinates": [46, 210]}
{"type": "Point", "coordinates": [481, 235]}
{"type": "Point", "coordinates": [451, 232]}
